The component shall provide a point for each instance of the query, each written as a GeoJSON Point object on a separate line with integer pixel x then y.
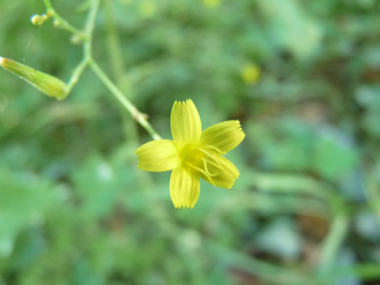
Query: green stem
{"type": "Point", "coordinates": [89, 28]}
{"type": "Point", "coordinates": [303, 185]}
{"type": "Point", "coordinates": [87, 60]}
{"type": "Point", "coordinates": [363, 271]}
{"type": "Point", "coordinates": [273, 274]}
{"type": "Point", "coordinates": [332, 243]}
{"type": "Point", "coordinates": [114, 48]}
{"type": "Point", "coordinates": [48, 5]}
{"type": "Point", "coordinates": [76, 75]}
{"type": "Point", "coordinates": [118, 68]}
{"type": "Point", "coordinates": [62, 22]}
{"type": "Point", "coordinates": [372, 192]}
{"type": "Point", "coordinates": [87, 47]}
{"type": "Point", "coordinates": [136, 114]}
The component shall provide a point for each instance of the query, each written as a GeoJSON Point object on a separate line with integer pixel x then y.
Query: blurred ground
{"type": "Point", "coordinates": [301, 76]}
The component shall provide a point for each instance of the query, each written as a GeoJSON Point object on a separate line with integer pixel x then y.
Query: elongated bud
{"type": "Point", "coordinates": [48, 84]}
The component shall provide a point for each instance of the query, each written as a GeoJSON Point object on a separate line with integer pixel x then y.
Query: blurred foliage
{"type": "Point", "coordinates": [302, 77]}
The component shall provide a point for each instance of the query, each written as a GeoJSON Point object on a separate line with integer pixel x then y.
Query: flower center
{"type": "Point", "coordinates": [191, 156]}
{"type": "Point", "coordinates": [202, 160]}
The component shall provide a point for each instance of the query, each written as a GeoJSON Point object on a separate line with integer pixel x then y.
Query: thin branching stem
{"type": "Point", "coordinates": [62, 22]}
{"type": "Point", "coordinates": [79, 69]}
{"type": "Point", "coordinates": [87, 60]}
{"type": "Point", "coordinates": [136, 114]}
{"type": "Point", "coordinates": [89, 28]}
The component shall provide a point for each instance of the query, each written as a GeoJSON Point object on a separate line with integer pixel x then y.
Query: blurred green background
{"type": "Point", "coordinates": [301, 76]}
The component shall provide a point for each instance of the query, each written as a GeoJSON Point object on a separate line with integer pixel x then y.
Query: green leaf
{"type": "Point", "coordinates": [334, 158]}
{"type": "Point", "coordinates": [24, 201]}
{"type": "Point", "coordinates": [292, 28]}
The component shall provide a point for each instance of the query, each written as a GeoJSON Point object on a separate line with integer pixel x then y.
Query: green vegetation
{"type": "Point", "coordinates": [303, 78]}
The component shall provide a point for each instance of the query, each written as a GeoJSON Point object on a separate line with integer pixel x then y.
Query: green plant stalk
{"type": "Point", "coordinates": [372, 193]}
{"type": "Point", "coordinates": [81, 67]}
{"type": "Point", "coordinates": [87, 46]}
{"type": "Point", "coordinates": [89, 28]}
{"type": "Point", "coordinates": [63, 23]}
{"type": "Point", "coordinates": [115, 53]}
{"type": "Point", "coordinates": [332, 244]}
{"type": "Point", "coordinates": [88, 61]}
{"type": "Point", "coordinates": [366, 271]}
{"type": "Point", "coordinates": [265, 271]}
{"type": "Point", "coordinates": [136, 114]}
{"type": "Point", "coordinates": [118, 68]}
{"type": "Point", "coordinates": [114, 47]}
{"type": "Point", "coordinates": [295, 184]}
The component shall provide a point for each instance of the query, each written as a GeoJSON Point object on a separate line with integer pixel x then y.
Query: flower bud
{"type": "Point", "coordinates": [57, 23]}
{"type": "Point", "coordinates": [48, 84]}
{"type": "Point", "coordinates": [37, 20]}
{"type": "Point", "coordinates": [75, 39]}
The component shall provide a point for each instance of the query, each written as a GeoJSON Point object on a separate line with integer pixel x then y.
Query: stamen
{"type": "Point", "coordinates": [216, 162]}
{"type": "Point", "coordinates": [205, 172]}
{"type": "Point", "coordinates": [208, 175]}
{"type": "Point", "coordinates": [214, 148]}
{"type": "Point", "coordinates": [196, 158]}
{"type": "Point", "coordinates": [206, 169]}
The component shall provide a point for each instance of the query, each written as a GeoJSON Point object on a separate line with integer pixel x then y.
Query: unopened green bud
{"type": "Point", "coordinates": [57, 23]}
{"type": "Point", "coordinates": [48, 84]}
{"type": "Point", "coordinates": [37, 20]}
{"type": "Point", "coordinates": [75, 39]}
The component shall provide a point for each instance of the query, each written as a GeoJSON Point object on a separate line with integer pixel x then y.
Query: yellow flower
{"type": "Point", "coordinates": [211, 3]}
{"type": "Point", "coordinates": [147, 9]}
{"type": "Point", "coordinates": [251, 73]}
{"type": "Point", "coordinates": [192, 154]}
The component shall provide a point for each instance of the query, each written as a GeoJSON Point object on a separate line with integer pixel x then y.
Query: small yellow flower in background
{"type": "Point", "coordinates": [125, 1]}
{"type": "Point", "coordinates": [147, 9]}
{"type": "Point", "coordinates": [211, 3]}
{"type": "Point", "coordinates": [192, 154]}
{"type": "Point", "coordinates": [251, 73]}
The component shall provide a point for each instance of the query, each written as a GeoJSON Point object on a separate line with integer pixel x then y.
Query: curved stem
{"type": "Point", "coordinates": [89, 28]}
{"type": "Point", "coordinates": [136, 114]}
{"type": "Point", "coordinates": [88, 61]}
{"type": "Point", "coordinates": [118, 68]}
{"type": "Point", "coordinates": [62, 22]}
{"type": "Point", "coordinates": [76, 75]}
{"type": "Point", "coordinates": [333, 243]}
{"type": "Point", "coordinates": [87, 46]}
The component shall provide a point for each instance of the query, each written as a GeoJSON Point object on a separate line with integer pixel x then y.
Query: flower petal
{"type": "Point", "coordinates": [185, 123]}
{"type": "Point", "coordinates": [184, 187]}
{"type": "Point", "coordinates": [224, 136]}
{"type": "Point", "coordinates": [218, 171]}
{"type": "Point", "coordinates": [157, 156]}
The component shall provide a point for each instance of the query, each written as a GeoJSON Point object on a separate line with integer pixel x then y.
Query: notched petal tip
{"type": "Point", "coordinates": [185, 123]}
{"type": "Point", "coordinates": [224, 136]}
{"type": "Point", "coordinates": [240, 128]}
{"type": "Point", "coordinates": [235, 174]}
{"type": "Point", "coordinates": [184, 207]}
{"type": "Point", "coordinates": [218, 171]}
{"type": "Point", "coordinates": [184, 188]}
